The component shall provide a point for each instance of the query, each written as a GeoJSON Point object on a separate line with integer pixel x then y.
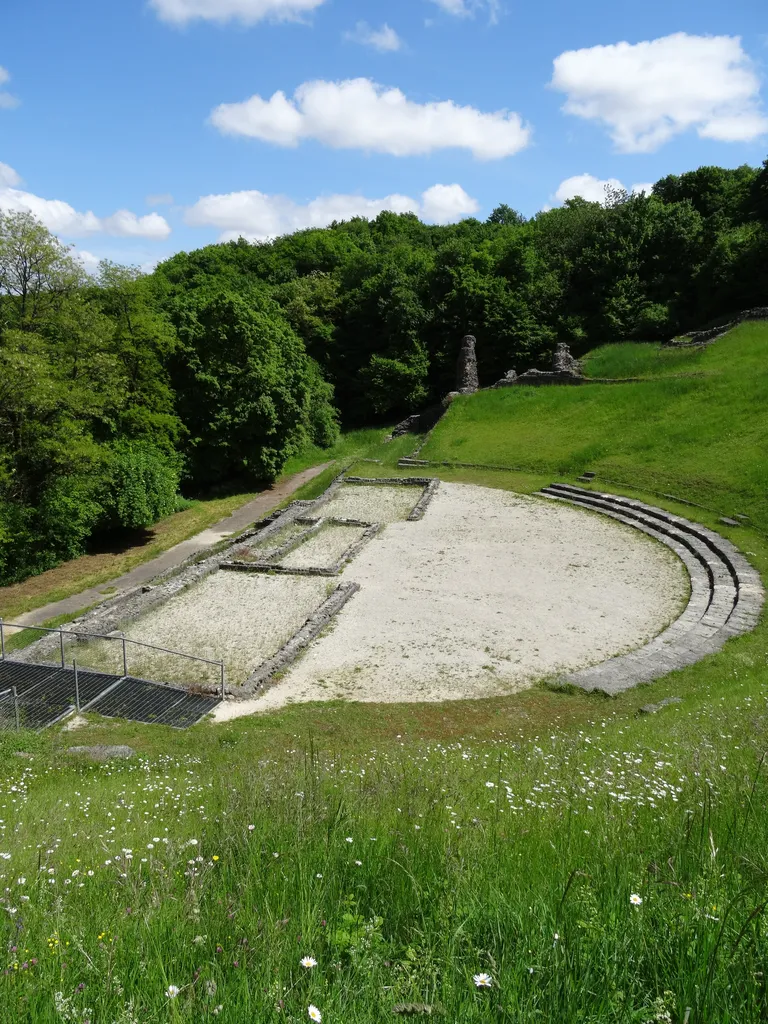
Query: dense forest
{"type": "Point", "coordinates": [120, 393]}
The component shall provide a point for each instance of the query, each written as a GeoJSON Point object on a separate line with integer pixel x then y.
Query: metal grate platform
{"type": "Point", "coordinates": [23, 677]}
{"type": "Point", "coordinates": [44, 694]}
{"type": "Point", "coordinates": [142, 701]}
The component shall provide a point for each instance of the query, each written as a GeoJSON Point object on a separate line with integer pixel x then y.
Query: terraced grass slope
{"type": "Point", "coordinates": [697, 427]}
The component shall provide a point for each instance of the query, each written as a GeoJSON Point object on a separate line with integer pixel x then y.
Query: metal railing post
{"type": "Point", "coordinates": [77, 687]}
{"type": "Point", "coordinates": [16, 708]}
{"type": "Point", "coordinates": [80, 635]}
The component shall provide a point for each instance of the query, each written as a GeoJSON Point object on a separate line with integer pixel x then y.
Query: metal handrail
{"type": "Point", "coordinates": [105, 636]}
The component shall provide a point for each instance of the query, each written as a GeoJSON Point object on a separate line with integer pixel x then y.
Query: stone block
{"type": "Point", "coordinates": [651, 709]}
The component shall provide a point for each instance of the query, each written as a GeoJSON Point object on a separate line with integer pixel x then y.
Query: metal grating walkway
{"type": "Point", "coordinates": [46, 694]}
{"type": "Point", "coordinates": [142, 701]}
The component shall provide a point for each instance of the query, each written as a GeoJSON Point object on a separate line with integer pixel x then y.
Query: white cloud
{"type": "Point", "coordinates": [256, 215]}
{"type": "Point", "coordinates": [159, 199]}
{"type": "Point", "coordinates": [89, 262]}
{"type": "Point", "coordinates": [8, 177]}
{"type": "Point", "coordinates": [593, 189]}
{"type": "Point", "coordinates": [468, 8]}
{"type": "Point", "coordinates": [7, 101]}
{"type": "Point", "coordinates": [179, 12]}
{"type": "Point", "coordinates": [445, 204]}
{"type": "Point", "coordinates": [384, 39]}
{"type": "Point", "coordinates": [646, 93]}
{"type": "Point", "coordinates": [456, 7]}
{"type": "Point", "coordinates": [359, 114]}
{"type": "Point", "coordinates": [128, 225]}
{"type": "Point", "coordinates": [61, 218]}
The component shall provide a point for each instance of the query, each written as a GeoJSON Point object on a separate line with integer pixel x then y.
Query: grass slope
{"type": "Point", "coordinates": [703, 438]}
{"type": "Point", "coordinates": [599, 866]}
{"type": "Point", "coordinates": [629, 359]}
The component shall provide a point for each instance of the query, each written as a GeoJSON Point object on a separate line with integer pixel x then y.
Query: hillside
{"type": "Point", "coordinates": [543, 856]}
{"type": "Point", "coordinates": [695, 428]}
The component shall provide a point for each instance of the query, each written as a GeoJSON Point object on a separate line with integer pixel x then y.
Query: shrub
{"type": "Point", "coordinates": [140, 487]}
{"type": "Point", "coordinates": [393, 385]}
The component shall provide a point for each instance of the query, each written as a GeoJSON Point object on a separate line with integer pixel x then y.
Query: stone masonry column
{"type": "Point", "coordinates": [466, 369]}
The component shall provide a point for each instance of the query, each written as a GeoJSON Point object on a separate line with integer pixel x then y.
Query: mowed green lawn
{"type": "Point", "coordinates": [702, 436]}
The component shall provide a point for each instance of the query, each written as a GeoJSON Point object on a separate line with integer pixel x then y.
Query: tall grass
{"type": "Point", "coordinates": [404, 872]}
{"type": "Point", "coordinates": [629, 359]}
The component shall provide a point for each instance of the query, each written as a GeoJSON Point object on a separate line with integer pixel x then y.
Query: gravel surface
{"type": "Point", "coordinates": [241, 617]}
{"type": "Point", "coordinates": [371, 503]}
{"type": "Point", "coordinates": [490, 592]}
{"type": "Point", "coordinates": [255, 550]}
{"type": "Point", "coordinates": [323, 549]}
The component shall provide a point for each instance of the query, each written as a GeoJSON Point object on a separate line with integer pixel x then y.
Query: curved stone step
{"type": "Point", "coordinates": [723, 590]}
{"type": "Point", "coordinates": [700, 600]}
{"type": "Point", "coordinates": [722, 548]}
{"type": "Point", "coordinates": [746, 579]}
{"type": "Point", "coordinates": [726, 592]}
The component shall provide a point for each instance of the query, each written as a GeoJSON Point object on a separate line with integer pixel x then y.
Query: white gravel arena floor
{"type": "Point", "coordinates": [241, 617]}
{"type": "Point", "coordinates": [372, 503]}
{"type": "Point", "coordinates": [488, 593]}
{"type": "Point", "coordinates": [323, 549]}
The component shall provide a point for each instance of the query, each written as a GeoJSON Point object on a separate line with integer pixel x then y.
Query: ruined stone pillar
{"type": "Point", "coordinates": [564, 362]}
{"type": "Point", "coordinates": [466, 369]}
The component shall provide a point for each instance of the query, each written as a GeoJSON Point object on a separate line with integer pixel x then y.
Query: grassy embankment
{"type": "Point", "coordinates": [702, 437]}
{"type": "Point", "coordinates": [409, 848]}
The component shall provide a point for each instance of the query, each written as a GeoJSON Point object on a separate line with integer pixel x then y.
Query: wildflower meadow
{"type": "Point", "coordinates": [608, 868]}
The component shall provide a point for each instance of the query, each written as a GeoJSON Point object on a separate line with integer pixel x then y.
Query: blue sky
{"type": "Point", "coordinates": [140, 127]}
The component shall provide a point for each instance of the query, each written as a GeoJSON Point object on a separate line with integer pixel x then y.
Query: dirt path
{"type": "Point", "coordinates": [251, 512]}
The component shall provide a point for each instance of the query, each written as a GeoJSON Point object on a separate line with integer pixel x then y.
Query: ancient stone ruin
{"type": "Point", "coordinates": [409, 425]}
{"type": "Point", "coordinates": [418, 422]}
{"type": "Point", "coordinates": [467, 381]}
{"type": "Point", "coordinates": [565, 370]}
{"type": "Point", "coordinates": [713, 333]}
{"type": "Point", "coordinates": [466, 384]}
{"type": "Point", "coordinates": [509, 378]}
{"type": "Point", "coordinates": [564, 362]}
